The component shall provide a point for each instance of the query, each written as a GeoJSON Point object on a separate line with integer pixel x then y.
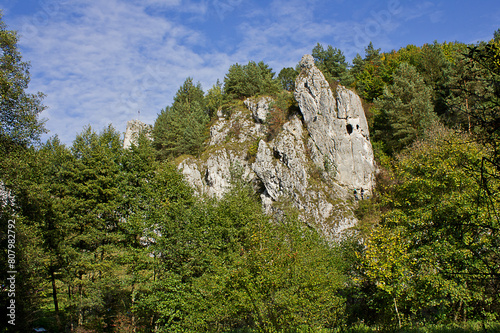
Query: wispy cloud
{"type": "Point", "coordinates": [100, 62]}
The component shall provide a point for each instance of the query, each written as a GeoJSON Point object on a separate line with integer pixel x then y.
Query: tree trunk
{"type": "Point", "coordinates": [132, 310]}
{"type": "Point", "coordinates": [468, 114]}
{"type": "Point", "coordinates": [80, 308]}
{"type": "Point", "coordinates": [397, 312]}
{"type": "Point", "coordinates": [459, 309]}
{"type": "Point", "coordinates": [72, 326]}
{"type": "Point", "coordinates": [54, 296]}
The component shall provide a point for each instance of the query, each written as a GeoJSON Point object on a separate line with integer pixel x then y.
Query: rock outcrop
{"type": "Point", "coordinates": [134, 127]}
{"type": "Point", "coordinates": [339, 137]}
{"type": "Point", "coordinates": [314, 163]}
{"type": "Point", "coordinates": [259, 108]}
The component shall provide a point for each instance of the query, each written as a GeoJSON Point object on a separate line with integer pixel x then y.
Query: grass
{"type": "Point", "coordinates": [467, 327]}
{"type": "Point", "coordinates": [490, 327]}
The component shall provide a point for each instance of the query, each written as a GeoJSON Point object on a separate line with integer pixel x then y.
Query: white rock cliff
{"type": "Point", "coordinates": [339, 136]}
{"type": "Point", "coordinates": [314, 163]}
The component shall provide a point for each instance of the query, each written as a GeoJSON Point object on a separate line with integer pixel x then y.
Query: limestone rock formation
{"type": "Point", "coordinates": [339, 136]}
{"type": "Point", "coordinates": [227, 154]}
{"type": "Point", "coordinates": [259, 108]}
{"type": "Point", "coordinates": [134, 127]}
{"type": "Point", "coordinates": [314, 163]}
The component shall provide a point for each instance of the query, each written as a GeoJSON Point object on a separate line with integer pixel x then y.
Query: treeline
{"type": "Point", "coordinates": [113, 240]}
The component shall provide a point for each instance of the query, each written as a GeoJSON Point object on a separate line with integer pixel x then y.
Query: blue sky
{"type": "Point", "coordinates": [101, 61]}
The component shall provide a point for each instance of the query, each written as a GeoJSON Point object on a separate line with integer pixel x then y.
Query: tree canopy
{"type": "Point", "coordinates": [19, 110]}
{"type": "Point", "coordinates": [250, 80]}
{"type": "Point", "coordinates": [181, 128]}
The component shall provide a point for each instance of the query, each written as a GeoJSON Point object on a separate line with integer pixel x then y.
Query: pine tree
{"type": "Point", "coordinates": [287, 78]}
{"type": "Point", "coordinates": [405, 109]}
{"type": "Point", "coordinates": [91, 212]}
{"type": "Point", "coordinates": [331, 62]}
{"type": "Point", "coordinates": [250, 80]}
{"type": "Point", "coordinates": [181, 128]}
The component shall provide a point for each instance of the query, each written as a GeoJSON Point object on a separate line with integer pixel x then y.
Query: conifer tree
{"type": "Point", "coordinates": [331, 62]}
{"type": "Point", "coordinates": [405, 109]}
{"type": "Point", "coordinates": [252, 79]}
{"type": "Point", "coordinates": [287, 78]}
{"type": "Point", "coordinates": [181, 128]}
{"type": "Point", "coordinates": [90, 206]}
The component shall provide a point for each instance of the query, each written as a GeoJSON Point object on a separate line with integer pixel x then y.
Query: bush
{"type": "Point", "coordinates": [280, 112]}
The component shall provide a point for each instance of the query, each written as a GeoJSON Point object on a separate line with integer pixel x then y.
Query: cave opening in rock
{"type": "Point", "coordinates": [349, 128]}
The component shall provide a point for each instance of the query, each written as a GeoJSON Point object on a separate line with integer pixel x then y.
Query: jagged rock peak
{"type": "Point", "coordinates": [339, 137]}
{"type": "Point", "coordinates": [307, 61]}
{"type": "Point", "coordinates": [134, 127]}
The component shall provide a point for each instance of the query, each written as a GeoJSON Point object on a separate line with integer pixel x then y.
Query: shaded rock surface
{"type": "Point", "coordinates": [314, 163]}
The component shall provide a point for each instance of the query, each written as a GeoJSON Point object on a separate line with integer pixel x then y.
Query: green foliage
{"type": "Point", "coordinates": [89, 205]}
{"type": "Point", "coordinates": [368, 80]}
{"type": "Point", "coordinates": [214, 99]}
{"type": "Point", "coordinates": [252, 151]}
{"type": "Point", "coordinates": [496, 36]}
{"type": "Point", "coordinates": [113, 240]}
{"type": "Point", "coordinates": [223, 266]}
{"type": "Point", "coordinates": [441, 241]}
{"type": "Point", "coordinates": [483, 68]}
{"type": "Point", "coordinates": [280, 110]}
{"type": "Point", "coordinates": [405, 109]}
{"type": "Point", "coordinates": [287, 78]}
{"type": "Point", "coordinates": [331, 62]}
{"type": "Point", "coordinates": [249, 80]}
{"type": "Point", "coordinates": [388, 264]}
{"type": "Point", "coordinates": [434, 69]}
{"type": "Point", "coordinates": [181, 128]}
{"type": "Point", "coordinates": [19, 110]}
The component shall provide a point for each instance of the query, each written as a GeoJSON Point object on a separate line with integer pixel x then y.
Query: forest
{"type": "Point", "coordinates": [97, 238]}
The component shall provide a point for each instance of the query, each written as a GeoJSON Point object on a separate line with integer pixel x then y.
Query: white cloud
{"type": "Point", "coordinates": [100, 62]}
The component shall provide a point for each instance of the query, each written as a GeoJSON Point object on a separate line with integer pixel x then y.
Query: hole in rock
{"type": "Point", "coordinates": [349, 128]}
{"type": "Point", "coordinates": [276, 154]}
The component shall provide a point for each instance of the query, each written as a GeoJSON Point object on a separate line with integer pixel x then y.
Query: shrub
{"type": "Point", "coordinates": [280, 111]}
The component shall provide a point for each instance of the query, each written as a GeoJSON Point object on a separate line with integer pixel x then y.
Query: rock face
{"type": "Point", "coordinates": [339, 137]}
{"type": "Point", "coordinates": [227, 153]}
{"type": "Point", "coordinates": [259, 108]}
{"type": "Point", "coordinates": [314, 163]}
{"type": "Point", "coordinates": [134, 127]}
